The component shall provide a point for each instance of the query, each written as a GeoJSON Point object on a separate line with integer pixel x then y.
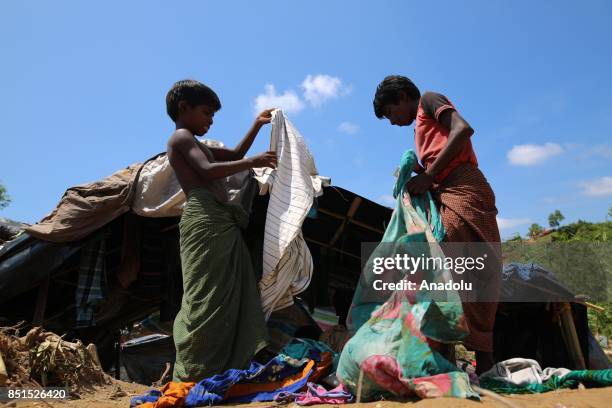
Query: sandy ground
{"type": "Point", "coordinates": [118, 394]}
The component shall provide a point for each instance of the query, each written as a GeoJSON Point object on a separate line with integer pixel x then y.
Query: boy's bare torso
{"type": "Point", "coordinates": [187, 176]}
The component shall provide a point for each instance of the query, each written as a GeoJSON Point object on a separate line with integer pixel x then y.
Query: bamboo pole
{"type": "Point", "coordinates": [570, 336]}
{"type": "Point", "coordinates": [347, 219]}
{"type": "Point", "coordinates": [324, 245]}
{"type": "Point", "coordinates": [352, 221]}
{"type": "Point", "coordinates": [41, 303]}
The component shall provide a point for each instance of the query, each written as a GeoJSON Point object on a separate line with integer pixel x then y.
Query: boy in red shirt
{"type": "Point", "coordinates": [449, 169]}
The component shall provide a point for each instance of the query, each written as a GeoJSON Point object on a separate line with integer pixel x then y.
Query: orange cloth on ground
{"type": "Point", "coordinates": [238, 390]}
{"type": "Point", "coordinates": [173, 395]}
{"type": "Point", "coordinates": [322, 367]}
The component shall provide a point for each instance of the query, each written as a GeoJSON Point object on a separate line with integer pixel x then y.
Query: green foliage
{"type": "Point", "coordinates": [601, 322]}
{"type": "Point", "coordinates": [5, 200]}
{"type": "Point", "coordinates": [516, 238]}
{"type": "Point", "coordinates": [585, 268]}
{"type": "Point", "coordinates": [554, 219]}
{"type": "Point", "coordinates": [535, 230]}
{"type": "Point", "coordinates": [588, 273]}
{"type": "Point", "coordinates": [583, 231]}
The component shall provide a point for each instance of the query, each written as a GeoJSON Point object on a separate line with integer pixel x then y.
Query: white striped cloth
{"type": "Point", "coordinates": [287, 263]}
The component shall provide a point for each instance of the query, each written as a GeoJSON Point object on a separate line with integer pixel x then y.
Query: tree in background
{"type": "Point", "coordinates": [535, 230]}
{"type": "Point", "coordinates": [4, 197]}
{"type": "Point", "coordinates": [554, 219]}
{"type": "Point", "coordinates": [516, 238]}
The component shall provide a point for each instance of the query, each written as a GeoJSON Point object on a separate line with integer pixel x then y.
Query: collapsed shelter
{"type": "Point", "coordinates": [103, 265]}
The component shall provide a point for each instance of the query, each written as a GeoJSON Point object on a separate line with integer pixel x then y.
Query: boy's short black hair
{"type": "Point", "coordinates": [194, 93]}
{"type": "Point", "coordinates": [388, 92]}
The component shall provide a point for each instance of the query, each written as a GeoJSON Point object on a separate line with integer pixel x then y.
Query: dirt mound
{"type": "Point", "coordinates": [44, 359]}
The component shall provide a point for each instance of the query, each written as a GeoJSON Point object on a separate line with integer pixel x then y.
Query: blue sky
{"type": "Point", "coordinates": [83, 90]}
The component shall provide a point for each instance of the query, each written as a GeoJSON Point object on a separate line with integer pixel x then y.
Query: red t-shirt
{"type": "Point", "coordinates": [430, 136]}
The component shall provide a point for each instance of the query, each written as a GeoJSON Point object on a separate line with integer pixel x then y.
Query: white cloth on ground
{"type": "Point", "coordinates": [521, 371]}
{"type": "Point", "coordinates": [287, 262]}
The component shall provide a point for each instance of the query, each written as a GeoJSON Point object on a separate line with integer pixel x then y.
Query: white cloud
{"type": "Point", "coordinates": [530, 154]}
{"type": "Point", "coordinates": [387, 200]}
{"type": "Point", "coordinates": [348, 127]}
{"type": "Point", "coordinates": [599, 187]}
{"type": "Point", "coordinates": [317, 89]}
{"type": "Point", "coordinates": [507, 223]}
{"type": "Point", "coordinates": [320, 88]}
{"type": "Point", "coordinates": [288, 101]}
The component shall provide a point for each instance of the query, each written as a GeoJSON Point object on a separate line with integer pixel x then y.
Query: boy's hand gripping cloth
{"type": "Point", "coordinates": [287, 263]}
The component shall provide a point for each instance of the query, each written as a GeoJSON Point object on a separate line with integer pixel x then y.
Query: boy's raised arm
{"type": "Point", "coordinates": [237, 153]}
{"type": "Point", "coordinates": [195, 158]}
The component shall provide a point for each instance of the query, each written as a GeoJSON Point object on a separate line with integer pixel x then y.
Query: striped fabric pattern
{"type": "Point", "coordinates": [287, 262]}
{"type": "Point", "coordinates": [467, 208]}
{"type": "Point", "coordinates": [91, 285]}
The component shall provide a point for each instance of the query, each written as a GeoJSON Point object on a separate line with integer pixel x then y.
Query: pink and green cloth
{"type": "Point", "coordinates": [396, 333]}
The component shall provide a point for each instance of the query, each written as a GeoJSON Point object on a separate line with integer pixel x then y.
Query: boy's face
{"type": "Point", "coordinates": [403, 112]}
{"type": "Point", "coordinates": [198, 119]}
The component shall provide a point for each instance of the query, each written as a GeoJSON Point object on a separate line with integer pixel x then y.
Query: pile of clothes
{"type": "Point", "coordinates": [395, 342]}
{"type": "Point", "coordinates": [299, 366]}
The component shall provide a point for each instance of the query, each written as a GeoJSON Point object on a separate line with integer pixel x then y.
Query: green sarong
{"type": "Point", "coordinates": [221, 324]}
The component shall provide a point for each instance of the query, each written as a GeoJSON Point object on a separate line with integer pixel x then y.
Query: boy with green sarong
{"type": "Point", "coordinates": [220, 324]}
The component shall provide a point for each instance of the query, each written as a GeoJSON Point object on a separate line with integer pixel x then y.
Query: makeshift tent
{"type": "Point", "coordinates": [39, 270]}
{"type": "Point", "coordinates": [9, 230]}
{"type": "Point", "coordinates": [553, 331]}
